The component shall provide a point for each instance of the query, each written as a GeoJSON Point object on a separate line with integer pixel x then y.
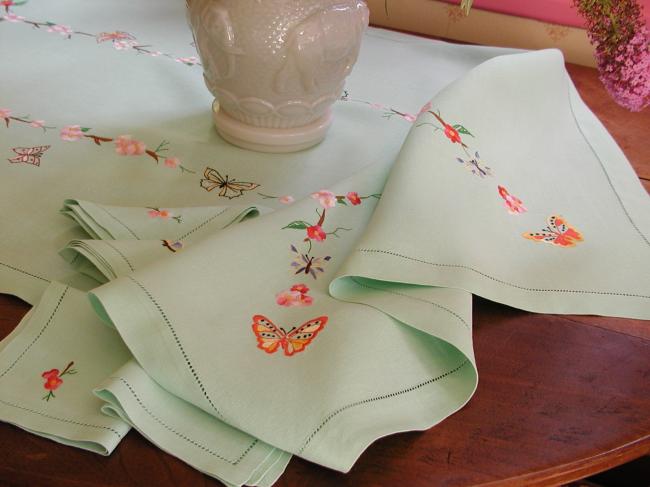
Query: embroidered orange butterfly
{"type": "Point", "coordinates": [29, 155]}
{"type": "Point", "coordinates": [230, 188]}
{"type": "Point", "coordinates": [270, 337]}
{"type": "Point", "coordinates": [558, 232]}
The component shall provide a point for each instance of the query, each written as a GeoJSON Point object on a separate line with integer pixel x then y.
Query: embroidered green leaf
{"type": "Point", "coordinates": [341, 202]}
{"type": "Point", "coordinates": [85, 129]}
{"type": "Point", "coordinates": [297, 225]}
{"type": "Point", "coordinates": [462, 130]}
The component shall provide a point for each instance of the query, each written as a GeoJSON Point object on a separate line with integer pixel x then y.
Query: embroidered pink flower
{"type": "Point", "coordinates": [190, 61]}
{"type": "Point", "coordinates": [155, 53]}
{"type": "Point", "coordinates": [124, 45]}
{"type": "Point", "coordinates": [114, 36]}
{"type": "Point", "coordinates": [296, 296]}
{"type": "Point", "coordinates": [37, 124]}
{"type": "Point", "coordinates": [452, 134]}
{"type": "Point", "coordinates": [13, 18]}
{"type": "Point", "coordinates": [514, 205]}
{"type": "Point", "coordinates": [71, 133]}
{"type": "Point", "coordinates": [64, 30]}
{"type": "Point", "coordinates": [286, 200]}
{"type": "Point", "coordinates": [327, 199]}
{"type": "Point", "coordinates": [5, 113]}
{"type": "Point", "coordinates": [409, 118]}
{"type": "Point", "coordinates": [377, 106]}
{"type": "Point", "coordinates": [126, 146]}
{"type": "Point", "coordinates": [425, 108]}
{"type": "Point", "coordinates": [315, 232]}
{"type": "Point", "coordinates": [353, 197]}
{"type": "Point", "coordinates": [172, 162]}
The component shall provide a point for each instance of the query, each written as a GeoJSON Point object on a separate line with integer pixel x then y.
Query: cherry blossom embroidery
{"type": "Point", "coordinates": [308, 264]}
{"type": "Point", "coordinates": [514, 205]}
{"type": "Point", "coordinates": [230, 188]}
{"type": "Point", "coordinates": [13, 18]}
{"type": "Point", "coordinates": [270, 337]}
{"type": "Point", "coordinates": [120, 40]}
{"type": "Point", "coordinates": [173, 245]}
{"type": "Point", "coordinates": [125, 145]}
{"type": "Point", "coordinates": [452, 132]}
{"type": "Point", "coordinates": [53, 379]}
{"type": "Point", "coordinates": [294, 297]}
{"type": "Point", "coordinates": [315, 231]}
{"type": "Point", "coordinates": [327, 199]}
{"type": "Point", "coordinates": [64, 30]}
{"type": "Point", "coordinates": [6, 115]}
{"type": "Point", "coordinates": [172, 162]}
{"type": "Point", "coordinates": [475, 166]}
{"type": "Point", "coordinates": [29, 155]}
{"type": "Point", "coordinates": [163, 214]}
{"type": "Point", "coordinates": [286, 200]}
{"type": "Point", "coordinates": [558, 232]}
{"type": "Point", "coordinates": [72, 133]}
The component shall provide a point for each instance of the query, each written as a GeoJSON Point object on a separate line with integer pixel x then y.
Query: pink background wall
{"type": "Point", "coordinates": [554, 11]}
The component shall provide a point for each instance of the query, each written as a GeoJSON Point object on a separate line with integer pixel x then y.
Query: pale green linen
{"type": "Point", "coordinates": [80, 81]}
{"type": "Point", "coordinates": [396, 351]}
{"type": "Point", "coordinates": [187, 432]}
{"type": "Point", "coordinates": [541, 143]}
{"type": "Point", "coordinates": [365, 375]}
{"type": "Point", "coordinates": [125, 236]}
{"type": "Point", "coordinates": [62, 329]}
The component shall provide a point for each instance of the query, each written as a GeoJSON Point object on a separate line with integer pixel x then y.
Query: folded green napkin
{"type": "Point", "coordinates": [189, 433]}
{"type": "Point", "coordinates": [105, 222]}
{"type": "Point", "coordinates": [510, 188]}
{"type": "Point", "coordinates": [127, 239]}
{"type": "Point", "coordinates": [256, 335]}
{"type": "Point", "coordinates": [49, 366]}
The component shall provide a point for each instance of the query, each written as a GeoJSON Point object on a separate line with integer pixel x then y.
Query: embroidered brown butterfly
{"type": "Point", "coordinates": [29, 155]}
{"type": "Point", "coordinates": [229, 188]}
{"type": "Point", "coordinates": [270, 337]}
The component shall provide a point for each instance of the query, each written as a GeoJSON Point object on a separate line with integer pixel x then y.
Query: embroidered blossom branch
{"type": "Point", "coordinates": [53, 380]}
{"type": "Point", "coordinates": [5, 114]}
{"type": "Point", "coordinates": [125, 145]}
{"type": "Point", "coordinates": [622, 41]}
{"type": "Point", "coordinates": [120, 40]}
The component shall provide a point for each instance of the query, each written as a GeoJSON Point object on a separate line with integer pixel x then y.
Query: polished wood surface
{"type": "Point", "coordinates": [559, 397]}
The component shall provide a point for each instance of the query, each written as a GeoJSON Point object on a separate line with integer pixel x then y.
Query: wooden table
{"type": "Point", "coordinates": [559, 397]}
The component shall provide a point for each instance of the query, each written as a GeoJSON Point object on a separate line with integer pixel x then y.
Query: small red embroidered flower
{"type": "Point", "coordinates": [301, 288]}
{"type": "Point", "coordinates": [452, 134]}
{"type": "Point", "coordinates": [513, 204]}
{"type": "Point", "coordinates": [53, 379]}
{"type": "Point", "coordinates": [353, 197]}
{"type": "Point", "coordinates": [316, 232]}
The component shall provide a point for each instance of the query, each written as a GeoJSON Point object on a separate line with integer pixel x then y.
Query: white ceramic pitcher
{"type": "Point", "coordinates": [276, 66]}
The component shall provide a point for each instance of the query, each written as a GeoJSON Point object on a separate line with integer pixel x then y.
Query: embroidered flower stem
{"type": "Point", "coordinates": [53, 380]}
